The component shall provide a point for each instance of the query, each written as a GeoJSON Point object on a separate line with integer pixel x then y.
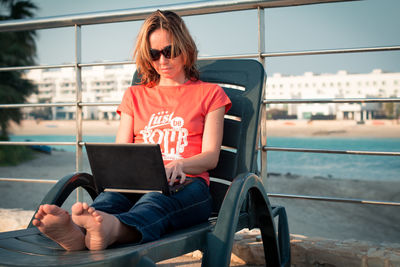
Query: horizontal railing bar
{"type": "Point", "coordinates": [332, 51]}
{"type": "Point", "coordinates": [127, 62]}
{"type": "Point", "coordinates": [37, 67]}
{"type": "Point", "coordinates": [335, 199]}
{"type": "Point", "coordinates": [33, 105]}
{"type": "Point", "coordinates": [276, 195]}
{"type": "Point", "coordinates": [237, 56]}
{"type": "Point", "coordinates": [34, 143]}
{"type": "Point", "coordinates": [58, 104]}
{"type": "Point", "coordinates": [114, 63]}
{"type": "Point", "coordinates": [23, 143]}
{"type": "Point", "coordinates": [29, 180]}
{"type": "Point", "coordinates": [123, 15]}
{"type": "Point", "coordinates": [332, 100]}
{"type": "Point", "coordinates": [329, 151]}
{"type": "Point", "coordinates": [265, 148]}
{"type": "Point", "coordinates": [110, 63]}
{"type": "Point", "coordinates": [99, 104]}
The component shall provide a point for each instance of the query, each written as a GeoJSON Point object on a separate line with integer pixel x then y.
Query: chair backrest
{"type": "Point", "coordinates": [243, 81]}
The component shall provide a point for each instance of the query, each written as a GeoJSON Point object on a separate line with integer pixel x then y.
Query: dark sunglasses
{"type": "Point", "coordinates": [166, 51]}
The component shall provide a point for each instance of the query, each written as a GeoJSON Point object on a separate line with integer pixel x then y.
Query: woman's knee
{"type": "Point", "coordinates": [112, 202]}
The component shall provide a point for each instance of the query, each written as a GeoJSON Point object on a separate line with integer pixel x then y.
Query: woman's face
{"type": "Point", "coordinates": [171, 70]}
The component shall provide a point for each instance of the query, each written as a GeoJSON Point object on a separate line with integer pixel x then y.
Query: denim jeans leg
{"type": "Point", "coordinates": [156, 214]}
{"type": "Point", "coordinates": [112, 203]}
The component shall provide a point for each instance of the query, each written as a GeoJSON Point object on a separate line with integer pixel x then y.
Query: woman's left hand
{"type": "Point", "coordinates": [173, 170]}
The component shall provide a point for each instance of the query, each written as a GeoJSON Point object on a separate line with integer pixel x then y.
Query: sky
{"type": "Point", "coordinates": [367, 23]}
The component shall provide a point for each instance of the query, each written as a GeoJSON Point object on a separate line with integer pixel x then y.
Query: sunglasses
{"type": "Point", "coordinates": [166, 51]}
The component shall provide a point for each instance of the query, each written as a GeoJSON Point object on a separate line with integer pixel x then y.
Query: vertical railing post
{"type": "Point", "coordinates": [262, 136]}
{"type": "Point", "coordinates": [261, 34]}
{"type": "Point", "coordinates": [78, 113]}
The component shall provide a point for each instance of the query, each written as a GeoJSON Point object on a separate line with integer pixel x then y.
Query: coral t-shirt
{"type": "Point", "coordinates": [173, 116]}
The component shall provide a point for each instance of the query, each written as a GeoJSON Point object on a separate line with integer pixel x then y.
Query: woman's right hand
{"type": "Point", "coordinates": [173, 170]}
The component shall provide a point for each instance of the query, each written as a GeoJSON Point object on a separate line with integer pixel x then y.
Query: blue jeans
{"type": "Point", "coordinates": [155, 214]}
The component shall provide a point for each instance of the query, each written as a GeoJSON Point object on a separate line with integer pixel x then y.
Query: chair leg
{"type": "Point", "coordinates": [264, 220]}
{"type": "Point", "coordinates": [217, 253]}
{"type": "Point", "coordinates": [283, 235]}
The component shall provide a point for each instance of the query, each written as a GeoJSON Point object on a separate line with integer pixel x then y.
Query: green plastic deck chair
{"type": "Point", "coordinates": [238, 190]}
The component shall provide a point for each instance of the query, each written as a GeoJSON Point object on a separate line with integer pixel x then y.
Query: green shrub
{"type": "Point", "coordinates": [13, 155]}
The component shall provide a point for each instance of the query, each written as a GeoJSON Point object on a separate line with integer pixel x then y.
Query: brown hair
{"type": "Point", "coordinates": [181, 41]}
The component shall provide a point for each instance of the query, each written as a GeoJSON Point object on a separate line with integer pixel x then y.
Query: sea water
{"type": "Point", "coordinates": [360, 167]}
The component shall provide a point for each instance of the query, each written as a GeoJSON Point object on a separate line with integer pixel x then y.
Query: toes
{"type": "Point", "coordinates": [98, 219]}
{"type": "Point", "coordinates": [46, 208]}
{"type": "Point", "coordinates": [39, 215]}
{"type": "Point", "coordinates": [80, 207]}
{"type": "Point", "coordinates": [77, 208]}
{"type": "Point", "coordinates": [40, 211]}
{"type": "Point", "coordinates": [91, 210]}
{"type": "Point", "coordinates": [36, 222]}
{"type": "Point", "coordinates": [85, 205]}
{"type": "Point", "coordinates": [50, 209]}
{"type": "Point", "coordinates": [97, 216]}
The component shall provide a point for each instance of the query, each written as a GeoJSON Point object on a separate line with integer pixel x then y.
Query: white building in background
{"type": "Point", "coordinates": [102, 84]}
{"type": "Point", "coordinates": [99, 84]}
{"type": "Point", "coordinates": [376, 84]}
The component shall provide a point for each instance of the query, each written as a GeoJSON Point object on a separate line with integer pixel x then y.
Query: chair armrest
{"type": "Point", "coordinates": [234, 199]}
{"type": "Point", "coordinates": [220, 241]}
{"type": "Point", "coordinates": [65, 186]}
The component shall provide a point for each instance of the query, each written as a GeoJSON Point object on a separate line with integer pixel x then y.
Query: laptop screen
{"type": "Point", "coordinates": [136, 168]}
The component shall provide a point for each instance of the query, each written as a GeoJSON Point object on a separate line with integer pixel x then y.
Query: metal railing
{"type": "Point", "coordinates": [189, 9]}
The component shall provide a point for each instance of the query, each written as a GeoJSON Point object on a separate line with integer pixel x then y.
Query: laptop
{"type": "Point", "coordinates": [129, 168]}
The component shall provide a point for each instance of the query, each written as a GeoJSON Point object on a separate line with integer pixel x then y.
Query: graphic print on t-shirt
{"type": "Point", "coordinates": [165, 129]}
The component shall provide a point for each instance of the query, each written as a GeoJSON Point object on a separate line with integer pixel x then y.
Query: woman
{"type": "Point", "coordinates": [170, 107]}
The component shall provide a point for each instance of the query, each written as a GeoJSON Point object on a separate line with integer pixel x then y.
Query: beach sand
{"type": "Point", "coordinates": [63, 127]}
{"type": "Point", "coordinates": [283, 128]}
{"type": "Point", "coordinates": [335, 128]}
{"type": "Point", "coordinates": [310, 218]}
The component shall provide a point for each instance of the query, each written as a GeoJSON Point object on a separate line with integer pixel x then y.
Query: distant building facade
{"type": "Point", "coordinates": [376, 84]}
{"type": "Point", "coordinates": [102, 84]}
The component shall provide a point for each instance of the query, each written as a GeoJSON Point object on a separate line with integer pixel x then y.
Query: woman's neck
{"type": "Point", "coordinates": [172, 82]}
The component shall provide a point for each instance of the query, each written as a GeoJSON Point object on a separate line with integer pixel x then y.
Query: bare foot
{"type": "Point", "coordinates": [102, 229]}
{"type": "Point", "coordinates": [56, 223]}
